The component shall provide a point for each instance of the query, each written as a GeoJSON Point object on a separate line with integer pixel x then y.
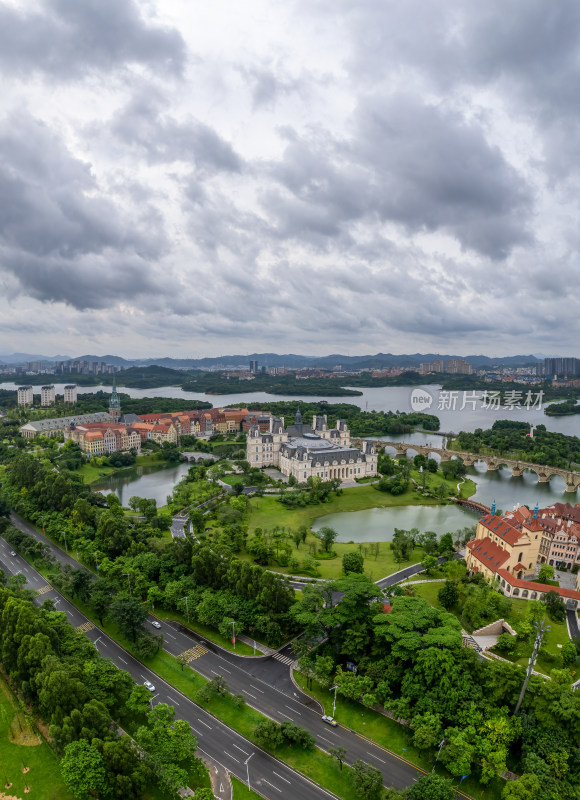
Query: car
{"type": "Point", "coordinates": [329, 720]}
{"type": "Point", "coordinates": [155, 623]}
{"type": "Point", "coordinates": [12, 552]}
{"type": "Point", "coordinates": [149, 685]}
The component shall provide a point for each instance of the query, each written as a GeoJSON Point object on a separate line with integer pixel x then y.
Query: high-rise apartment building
{"type": "Point", "coordinates": [561, 366]}
{"type": "Point", "coordinates": [47, 395]}
{"type": "Point", "coordinates": [70, 393]}
{"type": "Point", "coordinates": [25, 396]}
{"type": "Point", "coordinates": [458, 366]}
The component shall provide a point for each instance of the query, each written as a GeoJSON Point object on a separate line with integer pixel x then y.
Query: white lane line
{"type": "Point", "coordinates": [122, 659]}
{"type": "Point", "coordinates": [324, 740]}
{"type": "Point", "coordinates": [226, 670]}
{"type": "Point", "coordinates": [282, 714]}
{"type": "Point", "coordinates": [193, 729]}
{"type": "Point", "coordinates": [292, 709]}
{"type": "Point", "coordinates": [279, 776]}
{"type": "Point", "coordinates": [170, 635]}
{"type": "Point", "coordinates": [272, 785]}
{"type": "Point", "coordinates": [374, 756]}
{"type": "Point", "coordinates": [256, 688]}
{"type": "Point", "coordinates": [204, 723]}
{"type": "Point", "coordinates": [249, 695]}
{"type": "Point", "coordinates": [232, 757]}
{"type": "Point", "coordinates": [241, 751]}
{"type": "Point", "coordinates": [172, 700]}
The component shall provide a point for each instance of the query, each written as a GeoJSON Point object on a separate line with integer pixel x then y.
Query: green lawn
{"type": "Point", "coordinates": [241, 791]}
{"type": "Point", "coordinates": [43, 776]}
{"type": "Point", "coordinates": [549, 656]}
{"type": "Point", "coordinates": [241, 648]}
{"type": "Point", "coordinates": [391, 735]}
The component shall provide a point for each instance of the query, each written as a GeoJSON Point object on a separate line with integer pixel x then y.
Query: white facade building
{"type": "Point", "coordinates": [317, 451]}
{"type": "Point", "coordinates": [47, 395]}
{"type": "Point", "coordinates": [70, 393]}
{"type": "Point", "coordinates": [25, 396]}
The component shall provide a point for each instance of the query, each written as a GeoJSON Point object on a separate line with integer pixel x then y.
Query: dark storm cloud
{"type": "Point", "coordinates": [408, 162]}
{"type": "Point", "coordinates": [60, 237]}
{"type": "Point", "coordinates": [69, 38]}
{"type": "Point", "coordinates": [162, 138]}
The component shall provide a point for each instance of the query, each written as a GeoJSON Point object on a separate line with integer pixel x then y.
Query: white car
{"type": "Point", "coordinates": [12, 553]}
{"type": "Point", "coordinates": [155, 623]}
{"type": "Point", "coordinates": [329, 720]}
{"type": "Point", "coordinates": [149, 685]}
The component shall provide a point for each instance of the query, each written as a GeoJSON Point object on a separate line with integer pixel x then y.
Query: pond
{"type": "Point", "coordinates": [151, 482]}
{"type": "Point", "coordinates": [378, 524]}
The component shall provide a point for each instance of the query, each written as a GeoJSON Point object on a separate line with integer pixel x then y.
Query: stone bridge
{"type": "Point", "coordinates": [544, 473]}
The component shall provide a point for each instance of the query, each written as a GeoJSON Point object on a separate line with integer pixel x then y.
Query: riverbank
{"type": "Point", "coordinates": [93, 474]}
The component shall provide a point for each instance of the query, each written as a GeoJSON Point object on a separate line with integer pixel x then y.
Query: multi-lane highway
{"type": "Point", "coordinates": [217, 742]}
{"type": "Point", "coordinates": [264, 682]}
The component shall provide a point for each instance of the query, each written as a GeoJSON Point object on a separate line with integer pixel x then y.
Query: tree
{"type": "Point", "coordinates": [446, 547]}
{"type": "Point", "coordinates": [555, 606]}
{"type": "Point", "coordinates": [339, 753]}
{"type": "Point", "coordinates": [204, 794]}
{"type": "Point", "coordinates": [448, 595]}
{"type": "Point", "coordinates": [569, 655]}
{"type": "Point", "coordinates": [169, 745]}
{"type": "Point", "coordinates": [506, 643]}
{"type": "Point", "coordinates": [429, 563]}
{"type": "Point", "coordinates": [352, 561]}
{"type": "Point", "coordinates": [129, 614]}
{"type": "Point", "coordinates": [183, 660]}
{"type": "Point", "coordinates": [269, 734]}
{"type": "Point", "coordinates": [327, 536]}
{"type": "Point", "coordinates": [82, 770]}
{"type": "Point", "coordinates": [139, 699]}
{"type": "Point", "coordinates": [368, 781]}
{"type": "Point", "coordinates": [431, 787]}
{"type": "Point", "coordinates": [427, 730]}
{"type": "Point", "coordinates": [546, 573]}
{"type": "Point", "coordinates": [525, 788]}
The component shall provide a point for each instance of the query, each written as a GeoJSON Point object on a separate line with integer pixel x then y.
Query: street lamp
{"type": "Point", "coordinates": [335, 687]}
{"type": "Point", "coordinates": [65, 544]}
{"type": "Point", "coordinates": [186, 598]}
{"type": "Point", "coordinates": [246, 762]}
{"type": "Point", "coordinates": [441, 743]}
{"type": "Point", "coordinates": [234, 636]}
{"type": "Point", "coordinates": [152, 699]}
{"type": "Point", "coordinates": [129, 579]}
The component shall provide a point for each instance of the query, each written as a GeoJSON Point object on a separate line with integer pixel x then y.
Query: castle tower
{"type": "Point", "coordinates": [115, 404]}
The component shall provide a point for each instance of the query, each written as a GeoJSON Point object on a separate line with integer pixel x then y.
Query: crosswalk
{"type": "Point", "coordinates": [44, 589]}
{"type": "Point", "coordinates": [283, 659]}
{"type": "Point", "coordinates": [193, 653]}
{"type": "Point", "coordinates": [86, 626]}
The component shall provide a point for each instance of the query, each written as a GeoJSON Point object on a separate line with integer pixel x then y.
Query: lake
{"type": "Point", "coordinates": [389, 398]}
{"type": "Point", "coordinates": [152, 482]}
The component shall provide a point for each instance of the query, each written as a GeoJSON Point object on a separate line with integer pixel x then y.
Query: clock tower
{"type": "Point", "coordinates": [115, 404]}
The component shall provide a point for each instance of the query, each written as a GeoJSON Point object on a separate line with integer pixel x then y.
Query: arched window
{"type": "Point", "coordinates": [520, 557]}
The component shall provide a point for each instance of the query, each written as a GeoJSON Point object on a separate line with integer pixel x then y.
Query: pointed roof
{"type": "Point", "coordinates": [114, 401]}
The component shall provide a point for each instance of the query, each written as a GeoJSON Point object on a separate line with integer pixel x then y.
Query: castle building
{"type": "Point", "coordinates": [304, 451]}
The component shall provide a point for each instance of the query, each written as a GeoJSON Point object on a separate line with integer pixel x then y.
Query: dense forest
{"type": "Point", "coordinates": [511, 437]}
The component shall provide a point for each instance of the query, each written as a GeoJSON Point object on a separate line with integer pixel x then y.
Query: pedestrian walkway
{"type": "Point", "coordinates": [86, 626]}
{"type": "Point", "coordinates": [44, 589]}
{"type": "Point", "coordinates": [284, 659]}
{"type": "Point", "coordinates": [261, 648]}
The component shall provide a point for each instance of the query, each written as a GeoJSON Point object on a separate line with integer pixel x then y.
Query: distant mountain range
{"type": "Point", "coordinates": [290, 360]}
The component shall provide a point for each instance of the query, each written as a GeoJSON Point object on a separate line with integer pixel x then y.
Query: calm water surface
{"type": "Point", "coordinates": [152, 482]}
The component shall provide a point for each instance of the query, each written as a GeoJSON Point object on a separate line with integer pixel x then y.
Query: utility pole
{"type": "Point", "coordinates": [65, 544]}
{"type": "Point", "coordinates": [234, 636]}
{"type": "Point", "coordinates": [541, 629]}
{"type": "Point", "coordinates": [129, 579]}
{"type": "Point", "coordinates": [186, 605]}
{"type": "Point", "coordinates": [335, 687]}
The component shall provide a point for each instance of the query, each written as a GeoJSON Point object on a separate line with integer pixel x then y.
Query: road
{"type": "Point", "coordinates": [217, 742]}
{"type": "Point", "coordinates": [573, 623]}
{"type": "Point", "coordinates": [265, 684]}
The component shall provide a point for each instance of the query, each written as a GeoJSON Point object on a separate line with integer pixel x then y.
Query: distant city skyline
{"type": "Point", "coordinates": [190, 180]}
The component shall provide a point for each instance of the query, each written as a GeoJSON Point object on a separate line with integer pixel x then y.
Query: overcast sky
{"type": "Point", "coordinates": [187, 179]}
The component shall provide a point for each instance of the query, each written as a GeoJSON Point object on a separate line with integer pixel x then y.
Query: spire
{"type": "Point", "coordinates": [536, 510]}
{"type": "Point", "coordinates": [115, 403]}
{"type": "Point", "coordinates": [298, 418]}
{"type": "Point", "coordinates": [493, 509]}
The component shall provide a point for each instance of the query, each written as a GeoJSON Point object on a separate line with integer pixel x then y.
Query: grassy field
{"type": "Point", "coordinates": [241, 648]}
{"type": "Point", "coordinates": [389, 734]}
{"type": "Point", "coordinates": [20, 749]}
{"type": "Point", "coordinates": [549, 656]}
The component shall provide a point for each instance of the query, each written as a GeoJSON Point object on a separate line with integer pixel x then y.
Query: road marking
{"type": "Point", "coordinates": [44, 589]}
{"type": "Point", "coordinates": [193, 729]}
{"type": "Point", "coordinates": [282, 714]}
{"type": "Point", "coordinates": [374, 756]}
{"type": "Point", "coordinates": [241, 751]}
{"type": "Point", "coordinates": [172, 700]}
{"type": "Point", "coordinates": [324, 739]}
{"type": "Point", "coordinates": [256, 688]}
{"type": "Point", "coordinates": [279, 776]}
{"type": "Point", "coordinates": [122, 659]}
{"type": "Point", "coordinates": [232, 757]}
{"type": "Point", "coordinates": [249, 695]}
{"type": "Point", "coordinates": [272, 785]}
{"type": "Point", "coordinates": [86, 626]}
{"type": "Point", "coordinates": [170, 635]}
{"type": "Point", "coordinates": [204, 723]}
{"type": "Point", "coordinates": [292, 709]}
{"type": "Point", "coordinates": [194, 652]}
{"type": "Point", "coordinates": [226, 670]}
